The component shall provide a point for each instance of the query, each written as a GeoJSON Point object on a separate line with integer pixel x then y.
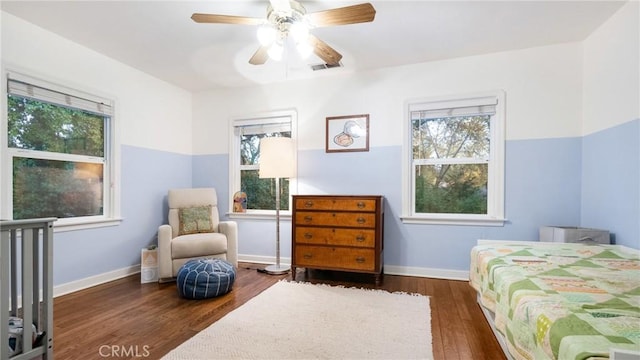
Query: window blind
{"type": "Point", "coordinates": [465, 107]}
{"type": "Point", "coordinates": [262, 126]}
{"type": "Point", "coordinates": [46, 94]}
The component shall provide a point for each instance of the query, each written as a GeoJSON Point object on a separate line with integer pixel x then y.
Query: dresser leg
{"type": "Point", "coordinates": [293, 273]}
{"type": "Point", "coordinates": [378, 279]}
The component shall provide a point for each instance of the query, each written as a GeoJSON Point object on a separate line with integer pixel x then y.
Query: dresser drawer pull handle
{"type": "Point", "coordinates": [361, 220]}
{"type": "Point", "coordinates": [308, 204]}
{"type": "Point", "coordinates": [360, 259]}
{"type": "Point", "coordinates": [308, 235]}
{"type": "Point", "coordinates": [360, 205]}
{"type": "Point", "coordinates": [360, 238]}
{"type": "Point", "coordinates": [308, 218]}
{"type": "Point", "coordinates": [307, 256]}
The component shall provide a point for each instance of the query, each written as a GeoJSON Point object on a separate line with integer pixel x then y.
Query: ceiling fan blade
{"type": "Point", "coordinates": [225, 19]}
{"type": "Point", "coordinates": [260, 56]}
{"type": "Point", "coordinates": [324, 51]}
{"type": "Point", "coordinates": [342, 16]}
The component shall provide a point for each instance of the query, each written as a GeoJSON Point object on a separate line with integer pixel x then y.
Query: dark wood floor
{"type": "Point", "coordinates": [124, 319]}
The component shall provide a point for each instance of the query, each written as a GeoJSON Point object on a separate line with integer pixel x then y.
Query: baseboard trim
{"type": "Point", "coordinates": [426, 272]}
{"type": "Point", "coordinates": [262, 259]}
{"type": "Point", "coordinates": [388, 269]}
{"type": "Point", "coordinates": [99, 279]}
{"type": "Point", "coordinates": [92, 281]}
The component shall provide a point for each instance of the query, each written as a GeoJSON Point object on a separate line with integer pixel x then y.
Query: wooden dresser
{"type": "Point", "coordinates": [338, 232]}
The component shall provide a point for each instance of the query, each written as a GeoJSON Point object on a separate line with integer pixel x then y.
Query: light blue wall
{"type": "Point", "coordinates": [146, 176]}
{"type": "Point", "coordinates": [611, 182]}
{"type": "Point", "coordinates": [213, 171]}
{"type": "Point", "coordinates": [542, 188]}
{"type": "Point", "coordinates": [591, 181]}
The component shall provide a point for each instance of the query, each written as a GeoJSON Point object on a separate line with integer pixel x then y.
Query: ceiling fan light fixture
{"type": "Point", "coordinates": [299, 31]}
{"type": "Point", "coordinates": [289, 18]}
{"type": "Point", "coordinates": [275, 51]}
{"type": "Point", "coordinates": [266, 34]}
{"type": "Point", "coordinates": [304, 49]}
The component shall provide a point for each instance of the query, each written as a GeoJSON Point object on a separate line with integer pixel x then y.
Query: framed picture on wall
{"type": "Point", "coordinates": [347, 133]}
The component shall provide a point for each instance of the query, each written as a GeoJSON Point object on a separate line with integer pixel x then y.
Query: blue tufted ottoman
{"type": "Point", "coordinates": [205, 278]}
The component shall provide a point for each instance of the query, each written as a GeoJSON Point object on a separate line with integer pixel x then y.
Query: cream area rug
{"type": "Point", "coordinates": [304, 321]}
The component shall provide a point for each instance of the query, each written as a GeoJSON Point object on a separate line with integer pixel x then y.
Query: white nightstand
{"type": "Point", "coordinates": [571, 234]}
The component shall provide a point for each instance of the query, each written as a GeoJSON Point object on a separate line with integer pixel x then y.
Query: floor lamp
{"type": "Point", "coordinates": [277, 160]}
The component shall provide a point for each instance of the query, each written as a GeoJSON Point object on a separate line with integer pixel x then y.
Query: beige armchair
{"type": "Point", "coordinates": [194, 231]}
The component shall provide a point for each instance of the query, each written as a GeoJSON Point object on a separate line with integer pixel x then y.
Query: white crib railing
{"type": "Point", "coordinates": [34, 262]}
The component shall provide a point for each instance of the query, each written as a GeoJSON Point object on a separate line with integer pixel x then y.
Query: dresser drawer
{"type": "Point", "coordinates": [348, 219]}
{"type": "Point", "coordinates": [336, 204]}
{"type": "Point", "coordinates": [335, 257]}
{"type": "Point", "coordinates": [332, 236]}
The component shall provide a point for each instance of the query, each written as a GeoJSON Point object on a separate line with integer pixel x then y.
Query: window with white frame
{"type": "Point", "coordinates": [455, 167]}
{"type": "Point", "coordinates": [245, 163]}
{"type": "Point", "coordinates": [58, 152]}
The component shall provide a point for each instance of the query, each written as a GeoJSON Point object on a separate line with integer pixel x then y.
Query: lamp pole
{"type": "Point", "coordinates": [277, 269]}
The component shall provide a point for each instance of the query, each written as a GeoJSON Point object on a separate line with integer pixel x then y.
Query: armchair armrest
{"type": "Point", "coordinates": [165, 267]}
{"type": "Point", "coordinates": [230, 229]}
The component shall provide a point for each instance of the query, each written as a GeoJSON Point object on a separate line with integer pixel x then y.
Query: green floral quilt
{"type": "Point", "coordinates": [560, 301]}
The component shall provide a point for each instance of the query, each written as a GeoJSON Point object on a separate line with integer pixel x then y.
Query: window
{"type": "Point", "coordinates": [58, 151]}
{"type": "Point", "coordinates": [455, 167]}
{"type": "Point", "coordinates": [245, 154]}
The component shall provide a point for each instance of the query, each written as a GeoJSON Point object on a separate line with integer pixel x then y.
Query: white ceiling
{"type": "Point", "coordinates": [159, 38]}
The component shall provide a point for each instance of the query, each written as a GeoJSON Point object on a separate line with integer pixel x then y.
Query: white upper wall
{"type": "Point", "coordinates": [543, 88]}
{"type": "Point", "coordinates": [150, 113]}
{"type": "Point", "coordinates": [612, 71]}
{"type": "Point", "coordinates": [549, 89]}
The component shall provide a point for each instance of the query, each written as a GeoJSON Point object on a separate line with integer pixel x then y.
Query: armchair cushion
{"type": "Point", "coordinates": [195, 220]}
{"type": "Point", "coordinates": [192, 245]}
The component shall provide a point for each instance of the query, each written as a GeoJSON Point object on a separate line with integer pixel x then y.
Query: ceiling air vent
{"type": "Point", "coordinates": [317, 67]}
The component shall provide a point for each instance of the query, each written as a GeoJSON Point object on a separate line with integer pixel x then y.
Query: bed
{"type": "Point", "coordinates": [26, 287]}
{"type": "Point", "coordinates": [560, 300]}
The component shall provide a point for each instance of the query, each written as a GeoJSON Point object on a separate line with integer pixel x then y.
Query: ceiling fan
{"type": "Point", "coordinates": [289, 18]}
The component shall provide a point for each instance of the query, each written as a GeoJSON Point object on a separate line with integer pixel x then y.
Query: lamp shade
{"type": "Point", "coordinates": [277, 158]}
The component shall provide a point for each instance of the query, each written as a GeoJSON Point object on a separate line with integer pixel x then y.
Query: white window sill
{"type": "Point", "coordinates": [63, 225]}
{"type": "Point", "coordinates": [457, 220]}
{"type": "Point", "coordinates": [259, 215]}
